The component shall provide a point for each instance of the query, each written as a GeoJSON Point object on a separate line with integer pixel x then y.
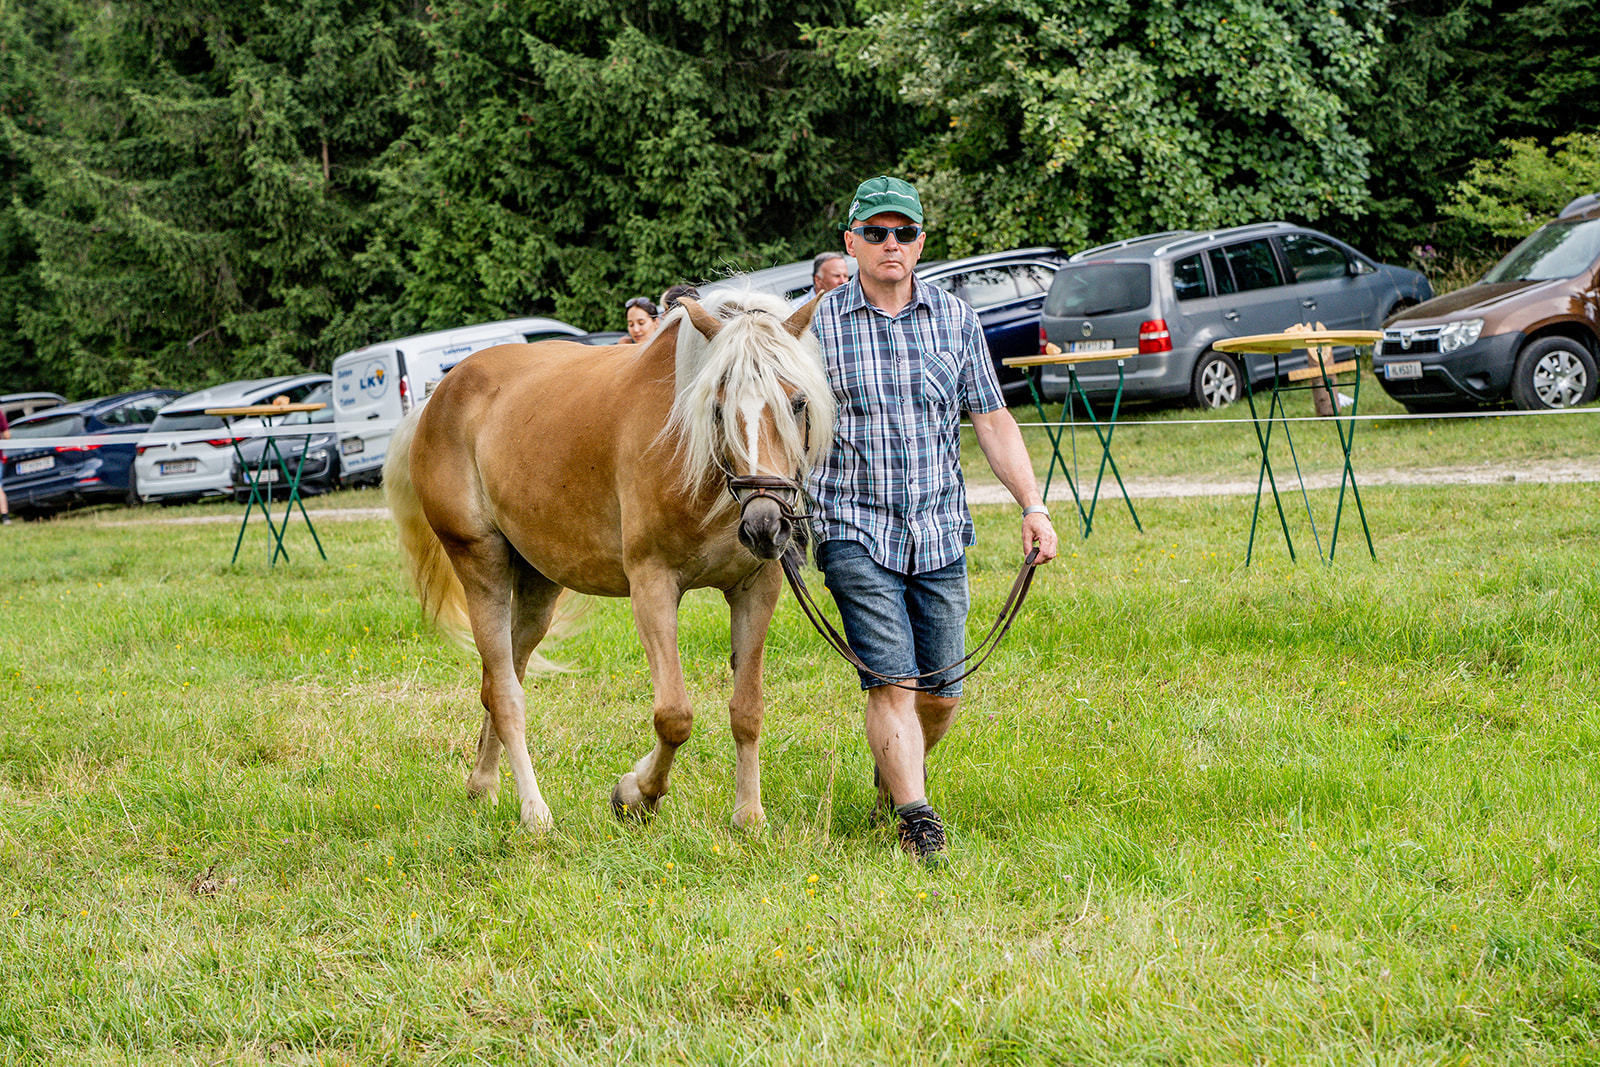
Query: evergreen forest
{"type": "Point", "coordinates": [198, 191]}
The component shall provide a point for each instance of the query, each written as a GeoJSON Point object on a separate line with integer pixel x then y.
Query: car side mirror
{"type": "Point", "coordinates": [1356, 268]}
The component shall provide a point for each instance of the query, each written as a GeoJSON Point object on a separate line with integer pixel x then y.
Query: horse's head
{"type": "Point", "coordinates": [753, 406]}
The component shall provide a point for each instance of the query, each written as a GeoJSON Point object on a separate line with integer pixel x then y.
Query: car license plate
{"type": "Point", "coordinates": [1411, 368]}
{"type": "Point", "coordinates": [176, 466]}
{"type": "Point", "coordinates": [34, 466]}
{"type": "Point", "coordinates": [351, 445]}
{"type": "Point", "coordinates": [269, 474]}
{"type": "Point", "coordinates": [1091, 346]}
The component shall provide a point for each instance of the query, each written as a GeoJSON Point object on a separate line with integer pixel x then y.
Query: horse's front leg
{"type": "Point", "coordinates": [750, 612]}
{"type": "Point", "coordinates": [655, 596]}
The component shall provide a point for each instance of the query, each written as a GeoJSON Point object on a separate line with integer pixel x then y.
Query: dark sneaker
{"type": "Point", "coordinates": [922, 835]}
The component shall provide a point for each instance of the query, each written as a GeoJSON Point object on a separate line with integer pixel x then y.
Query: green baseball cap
{"type": "Point", "coordinates": [877, 195]}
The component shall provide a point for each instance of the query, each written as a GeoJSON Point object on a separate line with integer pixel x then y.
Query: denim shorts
{"type": "Point", "coordinates": [898, 623]}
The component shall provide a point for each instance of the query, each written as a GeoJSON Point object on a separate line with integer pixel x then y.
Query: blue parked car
{"type": "Point", "coordinates": [50, 477]}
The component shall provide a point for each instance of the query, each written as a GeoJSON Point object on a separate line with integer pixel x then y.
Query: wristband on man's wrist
{"type": "Point", "coordinates": [1036, 509]}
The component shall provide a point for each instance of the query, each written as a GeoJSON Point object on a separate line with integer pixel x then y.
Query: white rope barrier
{"type": "Point", "coordinates": [150, 440]}
{"type": "Point", "coordinates": [1439, 416]}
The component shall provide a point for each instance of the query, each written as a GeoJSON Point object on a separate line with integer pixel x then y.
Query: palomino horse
{"type": "Point", "coordinates": [614, 472]}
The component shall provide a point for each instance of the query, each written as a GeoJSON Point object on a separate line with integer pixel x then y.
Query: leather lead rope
{"type": "Point", "coordinates": [769, 486]}
{"type": "Point", "coordinates": [985, 648]}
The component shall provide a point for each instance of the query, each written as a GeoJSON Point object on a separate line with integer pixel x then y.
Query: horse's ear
{"type": "Point", "coordinates": [707, 323]}
{"type": "Point", "coordinates": [800, 321]}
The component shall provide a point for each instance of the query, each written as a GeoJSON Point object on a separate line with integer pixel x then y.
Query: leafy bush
{"type": "Point", "coordinates": [1511, 195]}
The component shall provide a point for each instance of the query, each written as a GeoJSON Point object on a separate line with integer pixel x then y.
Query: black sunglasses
{"type": "Point", "coordinates": [876, 235]}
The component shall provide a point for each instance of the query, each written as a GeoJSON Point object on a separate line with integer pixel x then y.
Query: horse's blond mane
{"type": "Point", "coordinates": [750, 359]}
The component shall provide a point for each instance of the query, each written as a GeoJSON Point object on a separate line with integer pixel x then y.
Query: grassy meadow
{"type": "Point", "coordinates": [1199, 813]}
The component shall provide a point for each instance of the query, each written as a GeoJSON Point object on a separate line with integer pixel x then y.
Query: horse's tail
{"type": "Point", "coordinates": [443, 599]}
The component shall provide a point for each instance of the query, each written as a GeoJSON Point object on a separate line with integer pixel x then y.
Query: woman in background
{"type": "Point", "coordinates": [642, 319]}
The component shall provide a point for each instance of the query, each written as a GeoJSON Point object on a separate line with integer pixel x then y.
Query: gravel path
{"type": "Point", "coordinates": [1566, 471]}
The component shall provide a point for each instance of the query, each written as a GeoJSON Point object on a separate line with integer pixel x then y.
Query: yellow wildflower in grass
{"type": "Point", "coordinates": [922, 896]}
{"type": "Point", "coordinates": [813, 878]}
{"type": "Point", "coordinates": [670, 865]}
{"type": "Point", "coordinates": [778, 952]}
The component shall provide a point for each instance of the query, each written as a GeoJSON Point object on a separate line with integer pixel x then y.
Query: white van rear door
{"type": "Point", "coordinates": [429, 366]}
{"type": "Point", "coordinates": [366, 401]}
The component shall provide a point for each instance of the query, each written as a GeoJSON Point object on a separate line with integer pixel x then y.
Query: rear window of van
{"type": "Point", "coordinates": [1098, 289]}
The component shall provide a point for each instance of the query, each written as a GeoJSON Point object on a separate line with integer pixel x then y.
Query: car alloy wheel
{"type": "Point", "coordinates": [1216, 380]}
{"type": "Point", "coordinates": [1553, 372]}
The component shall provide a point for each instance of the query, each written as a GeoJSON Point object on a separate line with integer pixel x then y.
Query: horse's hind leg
{"type": "Point", "coordinates": [655, 595]}
{"type": "Point", "coordinates": [533, 605]}
{"type": "Point", "coordinates": [487, 568]}
{"type": "Point", "coordinates": [750, 613]}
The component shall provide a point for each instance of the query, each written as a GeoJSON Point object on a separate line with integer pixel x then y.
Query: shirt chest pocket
{"type": "Point", "coordinates": [941, 379]}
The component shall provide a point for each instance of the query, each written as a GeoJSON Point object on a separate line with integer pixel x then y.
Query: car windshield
{"type": "Point", "coordinates": [1559, 249]}
{"type": "Point", "coordinates": [1098, 289]}
{"type": "Point", "coordinates": [181, 421]}
{"type": "Point", "coordinates": [56, 426]}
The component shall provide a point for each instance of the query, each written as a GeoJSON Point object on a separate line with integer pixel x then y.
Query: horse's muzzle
{"type": "Point", "coordinates": [763, 527]}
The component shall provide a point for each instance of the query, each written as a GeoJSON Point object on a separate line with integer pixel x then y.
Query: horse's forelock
{"type": "Point", "coordinates": [748, 363]}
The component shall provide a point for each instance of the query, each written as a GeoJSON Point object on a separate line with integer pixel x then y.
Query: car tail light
{"type": "Point", "coordinates": [1043, 340]}
{"type": "Point", "coordinates": [223, 442]}
{"type": "Point", "coordinates": [143, 449]}
{"type": "Point", "coordinates": [1154, 336]}
{"type": "Point", "coordinates": [405, 393]}
{"type": "Point", "coordinates": [76, 448]}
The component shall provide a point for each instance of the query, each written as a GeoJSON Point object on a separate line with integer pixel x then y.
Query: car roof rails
{"type": "Point", "coordinates": [1228, 234]}
{"type": "Point", "coordinates": [1114, 245]}
{"type": "Point", "coordinates": [1581, 205]}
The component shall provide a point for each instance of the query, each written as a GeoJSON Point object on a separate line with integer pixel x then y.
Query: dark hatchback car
{"type": "Point", "coordinates": [321, 473]}
{"type": "Point", "coordinates": [1529, 330]}
{"type": "Point", "coordinates": [55, 476]}
{"type": "Point", "coordinates": [1007, 290]}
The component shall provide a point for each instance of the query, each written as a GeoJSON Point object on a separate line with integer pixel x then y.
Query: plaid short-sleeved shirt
{"type": "Point", "coordinates": [893, 478]}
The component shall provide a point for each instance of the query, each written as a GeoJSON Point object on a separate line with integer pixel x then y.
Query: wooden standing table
{"type": "Point", "coordinates": [271, 467]}
{"type": "Point", "coordinates": [1067, 424]}
{"type": "Point", "coordinates": [1317, 373]}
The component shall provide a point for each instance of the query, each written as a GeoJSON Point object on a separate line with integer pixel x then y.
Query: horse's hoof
{"type": "Point", "coordinates": [752, 818]}
{"type": "Point", "coordinates": [536, 817]}
{"type": "Point", "coordinates": [627, 802]}
{"type": "Point", "coordinates": [488, 788]}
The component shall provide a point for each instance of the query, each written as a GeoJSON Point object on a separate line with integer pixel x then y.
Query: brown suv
{"type": "Point", "coordinates": [1530, 329]}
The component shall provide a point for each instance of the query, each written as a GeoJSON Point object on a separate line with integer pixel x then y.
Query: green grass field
{"type": "Point", "coordinates": [1199, 813]}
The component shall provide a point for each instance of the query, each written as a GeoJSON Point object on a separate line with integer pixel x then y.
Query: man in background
{"type": "Point", "coordinates": [828, 271]}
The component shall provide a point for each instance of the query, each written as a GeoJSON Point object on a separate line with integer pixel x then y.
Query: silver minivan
{"type": "Point", "coordinates": [373, 387]}
{"type": "Point", "coordinates": [1172, 294]}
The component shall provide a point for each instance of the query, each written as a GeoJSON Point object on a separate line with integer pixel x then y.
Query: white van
{"type": "Point", "coordinates": [373, 387]}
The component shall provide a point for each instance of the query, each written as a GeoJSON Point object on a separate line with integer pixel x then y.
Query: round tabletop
{"type": "Point", "coordinates": [1271, 344]}
{"type": "Point", "coordinates": [263, 410]}
{"type": "Point", "coordinates": [1056, 358]}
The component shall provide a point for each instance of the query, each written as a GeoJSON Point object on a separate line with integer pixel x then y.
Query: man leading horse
{"type": "Point", "coordinates": [904, 360]}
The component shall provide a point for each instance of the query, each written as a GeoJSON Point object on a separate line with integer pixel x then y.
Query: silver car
{"type": "Point", "coordinates": [1172, 294]}
{"type": "Point", "coordinates": [201, 462]}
